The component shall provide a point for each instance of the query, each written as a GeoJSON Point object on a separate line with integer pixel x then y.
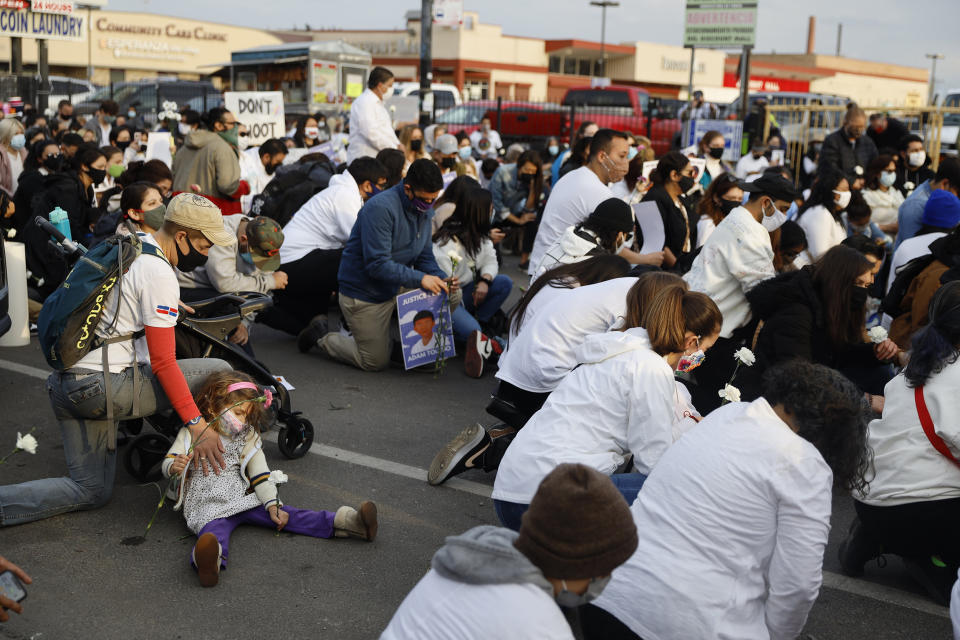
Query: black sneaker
{"type": "Point", "coordinates": [460, 454]}
{"type": "Point", "coordinates": [856, 550]}
{"type": "Point", "coordinates": [934, 576]}
{"type": "Point", "coordinates": [307, 339]}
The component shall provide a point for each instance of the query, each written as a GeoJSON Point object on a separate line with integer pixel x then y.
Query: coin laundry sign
{"type": "Point", "coordinates": [44, 26]}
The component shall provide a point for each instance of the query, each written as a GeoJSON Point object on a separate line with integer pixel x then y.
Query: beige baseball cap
{"type": "Point", "coordinates": [193, 211]}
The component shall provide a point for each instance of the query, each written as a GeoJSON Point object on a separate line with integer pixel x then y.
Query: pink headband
{"type": "Point", "coordinates": [236, 386]}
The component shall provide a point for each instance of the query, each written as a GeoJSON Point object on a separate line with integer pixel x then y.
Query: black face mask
{"type": "Point", "coordinates": [123, 145]}
{"type": "Point", "coordinates": [97, 175]}
{"type": "Point", "coordinates": [716, 153]}
{"type": "Point", "coordinates": [270, 169]}
{"type": "Point", "coordinates": [726, 206]}
{"type": "Point", "coordinates": [525, 178]}
{"type": "Point", "coordinates": [448, 163]}
{"type": "Point", "coordinates": [189, 261]}
{"type": "Point", "coordinates": [53, 163]}
{"type": "Point", "coordinates": [686, 183]}
{"type": "Point", "coordinates": [858, 298]}
{"type": "Point", "coordinates": [416, 145]}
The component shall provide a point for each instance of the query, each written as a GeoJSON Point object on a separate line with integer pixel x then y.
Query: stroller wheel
{"type": "Point", "coordinates": [295, 438]}
{"type": "Point", "coordinates": [144, 456]}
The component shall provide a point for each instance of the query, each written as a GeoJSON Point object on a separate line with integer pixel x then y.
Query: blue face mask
{"type": "Point", "coordinates": [18, 142]}
{"type": "Point", "coordinates": [792, 211]}
{"type": "Point", "coordinates": [553, 149]}
{"type": "Point", "coordinates": [632, 153]}
{"type": "Point", "coordinates": [465, 153]}
{"type": "Point", "coordinates": [247, 257]}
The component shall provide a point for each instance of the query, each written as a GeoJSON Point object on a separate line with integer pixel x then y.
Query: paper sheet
{"type": "Point", "coordinates": [651, 226]}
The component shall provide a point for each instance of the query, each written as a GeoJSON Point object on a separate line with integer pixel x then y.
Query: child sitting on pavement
{"type": "Point", "coordinates": [214, 504]}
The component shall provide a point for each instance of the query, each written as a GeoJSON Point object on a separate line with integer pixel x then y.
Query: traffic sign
{"type": "Point", "coordinates": [720, 23]}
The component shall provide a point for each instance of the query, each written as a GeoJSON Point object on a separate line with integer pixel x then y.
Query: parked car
{"type": "Point", "coordinates": [148, 96]}
{"type": "Point", "coordinates": [531, 123]}
{"type": "Point", "coordinates": [950, 133]}
{"type": "Point", "coordinates": [75, 90]}
{"type": "Point", "coordinates": [442, 96]}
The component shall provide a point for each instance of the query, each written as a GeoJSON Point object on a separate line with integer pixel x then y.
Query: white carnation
{"type": "Point", "coordinates": [745, 356]}
{"type": "Point", "coordinates": [27, 443]}
{"type": "Point", "coordinates": [278, 477]}
{"type": "Point", "coordinates": [730, 393]}
{"type": "Point", "coordinates": [877, 334]}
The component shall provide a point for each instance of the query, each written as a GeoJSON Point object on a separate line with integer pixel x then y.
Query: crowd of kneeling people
{"type": "Point", "coordinates": [674, 422]}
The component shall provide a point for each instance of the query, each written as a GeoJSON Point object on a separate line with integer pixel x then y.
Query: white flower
{"type": "Point", "coordinates": [858, 170]}
{"type": "Point", "coordinates": [169, 105]}
{"type": "Point", "coordinates": [453, 255]}
{"type": "Point", "coordinates": [909, 186]}
{"type": "Point", "coordinates": [278, 477]}
{"type": "Point", "coordinates": [745, 356]}
{"type": "Point", "coordinates": [877, 334]}
{"type": "Point", "coordinates": [729, 393]}
{"type": "Point", "coordinates": [27, 443]}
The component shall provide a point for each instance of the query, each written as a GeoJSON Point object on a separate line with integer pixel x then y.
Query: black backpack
{"type": "Point", "coordinates": [904, 276]}
{"type": "Point", "coordinates": [290, 189]}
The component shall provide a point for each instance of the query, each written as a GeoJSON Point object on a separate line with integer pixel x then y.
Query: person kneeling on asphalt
{"type": "Point", "coordinates": [250, 264]}
{"type": "Point", "coordinates": [145, 376]}
{"type": "Point", "coordinates": [491, 582]}
{"type": "Point", "coordinates": [389, 251]}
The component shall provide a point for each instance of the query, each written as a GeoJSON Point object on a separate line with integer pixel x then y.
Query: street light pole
{"type": "Point", "coordinates": [603, 4]}
{"type": "Point", "coordinates": [933, 75]}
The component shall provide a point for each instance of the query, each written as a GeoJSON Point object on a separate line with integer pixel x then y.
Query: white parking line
{"type": "Point", "coordinates": [863, 588]}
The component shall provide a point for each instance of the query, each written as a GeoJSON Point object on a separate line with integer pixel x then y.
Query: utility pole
{"type": "Point", "coordinates": [839, 37]}
{"type": "Point", "coordinates": [426, 58]}
{"type": "Point", "coordinates": [933, 75]}
{"type": "Point", "coordinates": [43, 66]}
{"type": "Point", "coordinates": [603, 4]}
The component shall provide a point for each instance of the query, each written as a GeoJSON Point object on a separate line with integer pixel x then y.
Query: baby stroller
{"type": "Point", "coordinates": [203, 334]}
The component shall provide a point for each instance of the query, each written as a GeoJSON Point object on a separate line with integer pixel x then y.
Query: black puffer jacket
{"type": "Point", "coordinates": [794, 326]}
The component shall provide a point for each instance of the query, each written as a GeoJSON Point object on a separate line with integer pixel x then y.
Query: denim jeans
{"type": "Point", "coordinates": [467, 317]}
{"type": "Point", "coordinates": [80, 405]}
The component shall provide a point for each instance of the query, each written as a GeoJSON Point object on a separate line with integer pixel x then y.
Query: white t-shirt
{"type": "Point", "coordinates": [574, 198]}
{"type": "Point", "coordinates": [732, 527]}
{"type": "Point", "coordinates": [823, 231]}
{"type": "Point", "coordinates": [486, 144]}
{"type": "Point", "coordinates": [325, 221]}
{"type": "Point", "coordinates": [750, 168]}
{"type": "Point", "coordinates": [543, 353]}
{"type": "Point", "coordinates": [441, 609]}
{"type": "Point", "coordinates": [622, 399]}
{"type": "Point", "coordinates": [371, 128]}
{"type": "Point", "coordinates": [544, 297]}
{"type": "Point", "coordinates": [150, 294]}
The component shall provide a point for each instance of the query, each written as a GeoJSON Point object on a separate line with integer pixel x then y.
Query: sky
{"type": "Point", "coordinates": [879, 30]}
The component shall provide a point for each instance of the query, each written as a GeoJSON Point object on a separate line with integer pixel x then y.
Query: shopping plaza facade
{"type": "Point", "coordinates": [475, 56]}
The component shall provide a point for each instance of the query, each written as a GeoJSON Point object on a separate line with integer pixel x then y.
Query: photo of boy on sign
{"type": "Point", "coordinates": [421, 317]}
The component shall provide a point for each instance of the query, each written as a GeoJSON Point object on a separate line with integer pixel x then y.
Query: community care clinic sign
{"type": "Point", "coordinates": [41, 26]}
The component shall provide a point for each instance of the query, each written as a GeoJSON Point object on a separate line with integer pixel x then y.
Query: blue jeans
{"type": "Point", "coordinates": [511, 513]}
{"type": "Point", "coordinates": [467, 317]}
{"type": "Point", "coordinates": [80, 405]}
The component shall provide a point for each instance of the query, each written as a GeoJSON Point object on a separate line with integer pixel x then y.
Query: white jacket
{"type": "Point", "coordinates": [822, 229]}
{"type": "Point", "coordinates": [370, 127]}
{"type": "Point", "coordinates": [324, 221]}
{"type": "Point", "coordinates": [573, 246]}
{"type": "Point", "coordinates": [732, 526]}
{"type": "Point", "coordinates": [906, 466]}
{"type": "Point", "coordinates": [884, 205]}
{"type": "Point", "coordinates": [736, 257]}
{"type": "Point", "coordinates": [468, 267]}
{"type": "Point", "coordinates": [622, 399]}
{"type": "Point", "coordinates": [543, 352]}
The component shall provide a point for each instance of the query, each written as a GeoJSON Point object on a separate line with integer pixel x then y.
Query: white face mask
{"type": "Point", "coordinates": [312, 132]}
{"type": "Point", "coordinates": [243, 142]}
{"type": "Point", "coordinates": [917, 158]}
{"type": "Point", "coordinates": [184, 128]}
{"type": "Point", "coordinates": [773, 222]}
{"type": "Point", "coordinates": [844, 199]}
{"type": "Point", "coordinates": [887, 178]}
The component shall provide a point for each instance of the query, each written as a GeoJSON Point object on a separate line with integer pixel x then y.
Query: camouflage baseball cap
{"type": "Point", "coordinates": [264, 238]}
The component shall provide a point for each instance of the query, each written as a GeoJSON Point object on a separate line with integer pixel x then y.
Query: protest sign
{"type": "Point", "coordinates": [425, 327]}
{"type": "Point", "coordinates": [158, 147]}
{"type": "Point", "coordinates": [260, 111]}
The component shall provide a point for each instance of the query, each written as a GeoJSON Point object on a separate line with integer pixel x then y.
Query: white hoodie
{"type": "Point", "coordinates": [324, 221]}
{"type": "Point", "coordinates": [571, 247]}
{"type": "Point", "coordinates": [622, 399]}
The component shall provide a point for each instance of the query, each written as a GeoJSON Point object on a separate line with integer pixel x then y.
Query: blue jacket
{"type": "Point", "coordinates": [390, 247]}
{"type": "Point", "coordinates": [910, 215]}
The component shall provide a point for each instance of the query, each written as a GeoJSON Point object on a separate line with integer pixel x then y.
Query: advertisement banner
{"type": "Point", "coordinates": [260, 111]}
{"type": "Point", "coordinates": [324, 88]}
{"type": "Point", "coordinates": [42, 26]}
{"type": "Point", "coordinates": [732, 131]}
{"type": "Point", "coordinates": [720, 23]}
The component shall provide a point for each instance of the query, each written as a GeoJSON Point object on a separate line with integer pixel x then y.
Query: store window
{"type": "Point", "coordinates": [570, 66]}
{"type": "Point", "coordinates": [555, 63]}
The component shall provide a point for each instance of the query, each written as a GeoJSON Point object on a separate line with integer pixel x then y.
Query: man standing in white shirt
{"type": "Point", "coordinates": [735, 258]}
{"type": "Point", "coordinates": [485, 141]}
{"type": "Point", "coordinates": [314, 240]}
{"type": "Point", "coordinates": [752, 165]}
{"type": "Point", "coordinates": [579, 192]}
{"type": "Point", "coordinates": [257, 167]}
{"type": "Point", "coordinates": [370, 127]}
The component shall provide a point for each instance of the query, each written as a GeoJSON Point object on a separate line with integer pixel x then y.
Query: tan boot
{"type": "Point", "coordinates": [352, 523]}
{"type": "Point", "coordinates": [206, 557]}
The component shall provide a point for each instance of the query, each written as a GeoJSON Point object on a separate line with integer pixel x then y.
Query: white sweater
{"type": "Point", "coordinates": [732, 526]}
{"type": "Point", "coordinates": [468, 267]}
{"type": "Point", "coordinates": [822, 229]}
{"type": "Point", "coordinates": [543, 352]}
{"type": "Point", "coordinates": [736, 257]}
{"type": "Point", "coordinates": [324, 221]}
{"type": "Point", "coordinates": [907, 467]}
{"type": "Point", "coordinates": [622, 399]}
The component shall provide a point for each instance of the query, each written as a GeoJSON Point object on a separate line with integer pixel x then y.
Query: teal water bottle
{"type": "Point", "coordinates": [60, 219]}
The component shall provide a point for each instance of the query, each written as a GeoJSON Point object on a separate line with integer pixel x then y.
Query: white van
{"type": "Point", "coordinates": [445, 96]}
{"type": "Point", "coordinates": [951, 125]}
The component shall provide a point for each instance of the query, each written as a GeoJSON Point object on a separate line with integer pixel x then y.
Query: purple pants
{"type": "Point", "coordinates": [318, 524]}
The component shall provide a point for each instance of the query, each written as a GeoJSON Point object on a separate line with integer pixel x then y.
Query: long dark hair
{"type": "Point", "coordinates": [133, 195]}
{"type": "Point", "coordinates": [834, 275]}
{"type": "Point", "coordinates": [567, 276]}
{"type": "Point", "coordinates": [531, 156]}
{"type": "Point", "coordinates": [33, 160]}
{"type": "Point", "coordinates": [470, 221]}
{"type": "Point", "coordinates": [821, 193]}
{"type": "Point", "coordinates": [299, 136]}
{"type": "Point", "coordinates": [875, 168]}
{"type": "Point", "coordinates": [935, 346]}
{"type": "Point", "coordinates": [671, 161]}
{"type": "Point", "coordinates": [828, 411]}
{"type": "Point", "coordinates": [719, 187]}
{"type": "Point", "coordinates": [457, 187]}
